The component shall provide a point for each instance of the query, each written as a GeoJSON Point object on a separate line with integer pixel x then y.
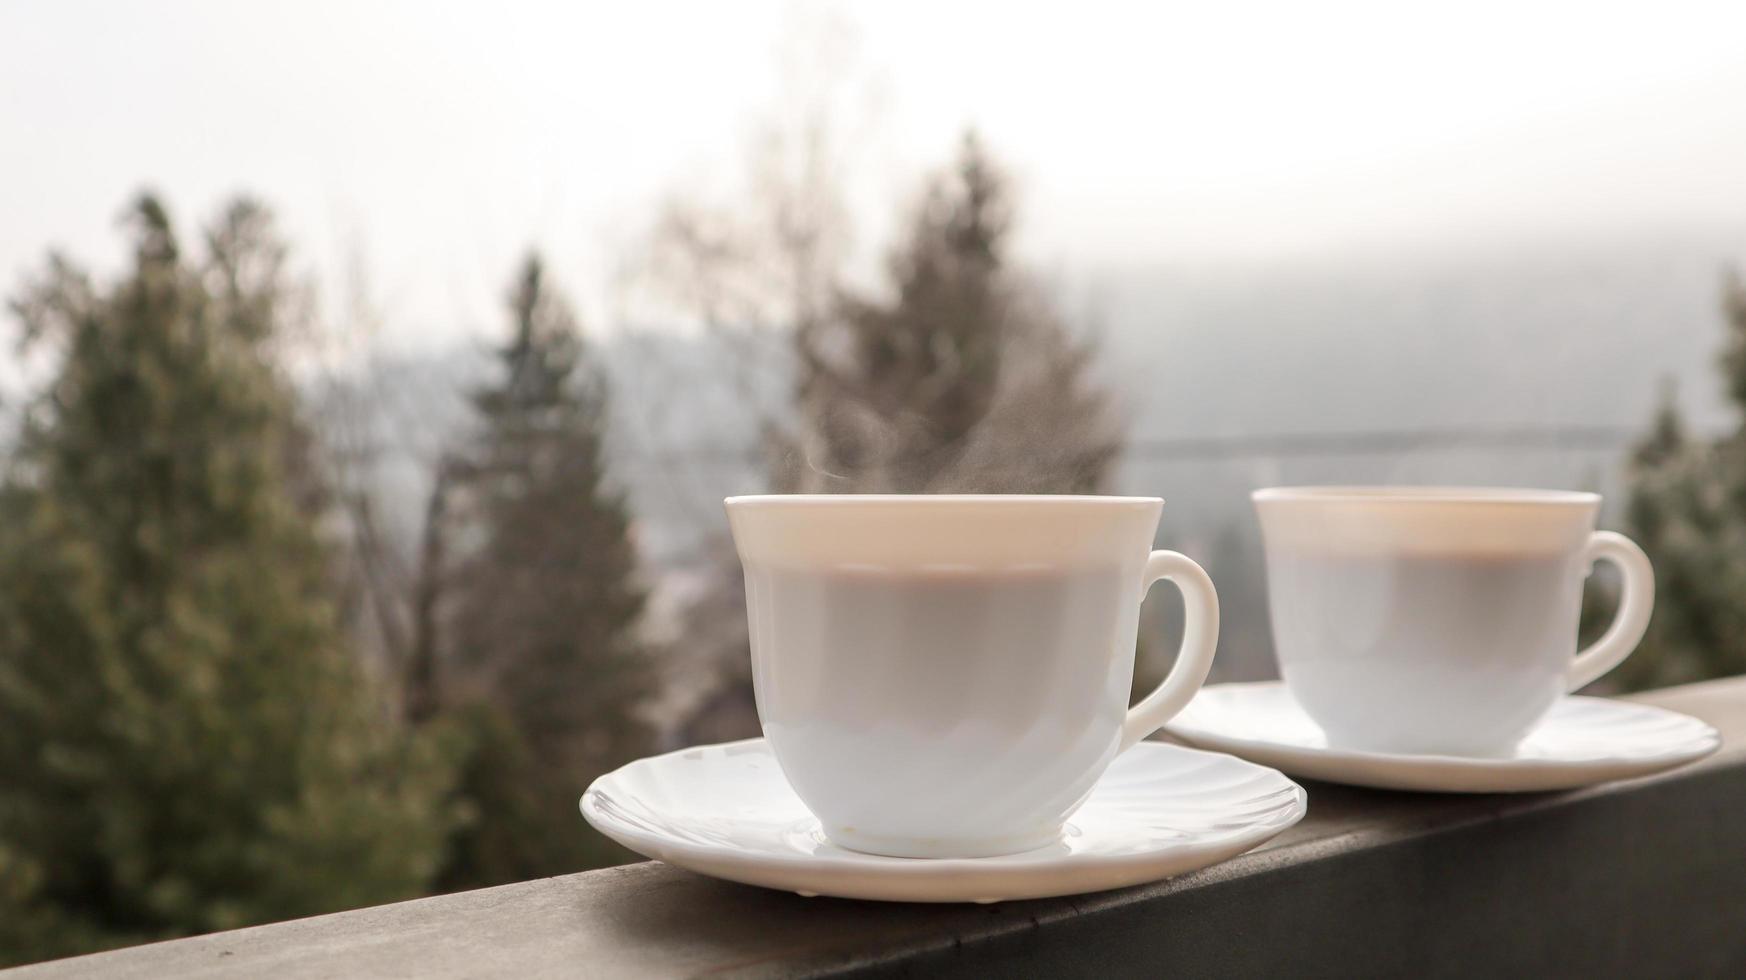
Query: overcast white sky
{"type": "Point", "coordinates": [443, 138]}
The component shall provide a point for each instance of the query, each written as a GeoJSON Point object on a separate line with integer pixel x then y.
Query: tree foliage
{"type": "Point", "coordinates": [961, 377]}
{"type": "Point", "coordinates": [965, 378]}
{"type": "Point", "coordinates": [1687, 509]}
{"type": "Point", "coordinates": [187, 743]}
{"type": "Point", "coordinates": [547, 661]}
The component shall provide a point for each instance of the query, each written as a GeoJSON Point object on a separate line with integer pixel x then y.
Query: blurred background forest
{"type": "Point", "coordinates": [375, 373]}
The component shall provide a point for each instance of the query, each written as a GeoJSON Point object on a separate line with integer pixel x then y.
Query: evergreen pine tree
{"type": "Point", "coordinates": [547, 660]}
{"type": "Point", "coordinates": [966, 378]}
{"type": "Point", "coordinates": [1687, 508]}
{"type": "Point", "coordinates": [187, 744]}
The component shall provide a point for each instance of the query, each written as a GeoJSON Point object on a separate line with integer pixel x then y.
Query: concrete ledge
{"type": "Point", "coordinates": [1639, 878]}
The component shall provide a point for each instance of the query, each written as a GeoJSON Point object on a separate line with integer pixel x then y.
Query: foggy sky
{"type": "Point", "coordinates": [438, 140]}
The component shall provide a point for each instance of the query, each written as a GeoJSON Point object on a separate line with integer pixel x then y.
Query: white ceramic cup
{"type": "Point", "coordinates": [948, 676]}
{"type": "Point", "coordinates": [1435, 620]}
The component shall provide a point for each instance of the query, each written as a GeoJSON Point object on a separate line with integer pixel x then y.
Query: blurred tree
{"type": "Point", "coordinates": [1687, 509]}
{"type": "Point", "coordinates": [547, 662]}
{"type": "Point", "coordinates": [187, 744]}
{"type": "Point", "coordinates": [965, 379]}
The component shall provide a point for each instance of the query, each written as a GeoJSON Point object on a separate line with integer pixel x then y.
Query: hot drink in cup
{"type": "Point", "coordinates": [948, 676]}
{"type": "Point", "coordinates": [1439, 621]}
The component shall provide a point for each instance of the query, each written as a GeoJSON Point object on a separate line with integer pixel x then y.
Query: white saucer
{"type": "Point", "coordinates": [1582, 742]}
{"type": "Point", "coordinates": [726, 810]}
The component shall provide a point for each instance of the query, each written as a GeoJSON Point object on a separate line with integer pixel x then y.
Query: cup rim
{"type": "Point", "coordinates": [934, 499]}
{"type": "Point", "coordinates": [1405, 494]}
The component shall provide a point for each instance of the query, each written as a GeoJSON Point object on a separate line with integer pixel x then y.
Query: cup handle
{"type": "Point", "coordinates": [1200, 640]}
{"type": "Point", "coordinates": [1636, 600]}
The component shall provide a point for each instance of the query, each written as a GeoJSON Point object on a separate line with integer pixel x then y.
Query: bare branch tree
{"type": "Point", "coordinates": [751, 273]}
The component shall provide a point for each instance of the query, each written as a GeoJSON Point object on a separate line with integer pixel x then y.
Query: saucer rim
{"type": "Point", "coordinates": [851, 874]}
{"type": "Point", "coordinates": [1444, 773]}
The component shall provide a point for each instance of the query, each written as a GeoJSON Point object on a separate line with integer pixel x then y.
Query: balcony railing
{"type": "Point", "coordinates": [1638, 878]}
